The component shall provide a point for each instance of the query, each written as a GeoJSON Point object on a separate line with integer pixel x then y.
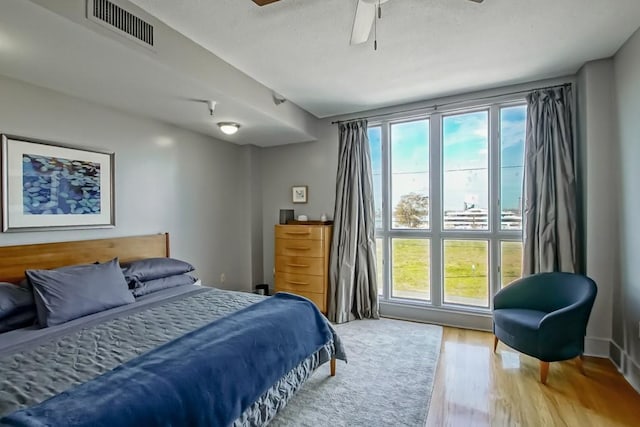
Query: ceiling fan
{"type": "Point", "coordinates": [364, 19]}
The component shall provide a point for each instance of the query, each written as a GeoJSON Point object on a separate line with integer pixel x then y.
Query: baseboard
{"type": "Point", "coordinates": [465, 320]}
{"type": "Point", "coordinates": [597, 347]}
{"type": "Point", "coordinates": [628, 367]}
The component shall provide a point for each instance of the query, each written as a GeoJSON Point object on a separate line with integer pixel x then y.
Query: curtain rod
{"type": "Point", "coordinates": [446, 104]}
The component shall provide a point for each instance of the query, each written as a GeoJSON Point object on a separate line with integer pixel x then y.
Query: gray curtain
{"type": "Point", "coordinates": [550, 206]}
{"type": "Point", "coordinates": [353, 291]}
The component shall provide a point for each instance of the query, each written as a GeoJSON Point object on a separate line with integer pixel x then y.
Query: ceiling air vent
{"type": "Point", "coordinates": [116, 18]}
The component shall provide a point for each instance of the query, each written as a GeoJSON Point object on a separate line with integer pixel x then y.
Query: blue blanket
{"type": "Point", "coordinates": [205, 378]}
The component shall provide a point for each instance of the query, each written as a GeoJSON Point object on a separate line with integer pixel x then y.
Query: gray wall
{"type": "Point", "coordinates": [313, 164]}
{"type": "Point", "coordinates": [627, 301]}
{"type": "Point", "coordinates": [167, 179]}
{"type": "Point", "coordinates": [253, 194]}
{"type": "Point", "coordinates": [597, 150]}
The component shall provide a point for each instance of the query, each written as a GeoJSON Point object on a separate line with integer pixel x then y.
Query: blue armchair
{"type": "Point", "coordinates": [545, 316]}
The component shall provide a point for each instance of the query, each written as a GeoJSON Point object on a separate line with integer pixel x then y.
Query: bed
{"type": "Point", "coordinates": [177, 355]}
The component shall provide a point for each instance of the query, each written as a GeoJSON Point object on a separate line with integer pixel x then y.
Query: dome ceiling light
{"type": "Point", "coordinates": [228, 128]}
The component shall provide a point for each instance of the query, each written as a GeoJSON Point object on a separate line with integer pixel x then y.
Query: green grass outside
{"type": "Point", "coordinates": [465, 269]}
{"type": "Point", "coordinates": [410, 263]}
{"type": "Point", "coordinates": [511, 261]}
{"type": "Point", "coordinates": [465, 272]}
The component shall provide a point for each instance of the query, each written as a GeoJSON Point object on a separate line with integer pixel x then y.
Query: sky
{"type": "Point", "coordinates": [464, 158]}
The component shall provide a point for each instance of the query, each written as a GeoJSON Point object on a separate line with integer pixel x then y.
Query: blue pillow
{"type": "Point", "coordinates": [144, 288]}
{"type": "Point", "coordinates": [13, 299]}
{"type": "Point", "coordinates": [67, 293]}
{"type": "Point", "coordinates": [154, 268]}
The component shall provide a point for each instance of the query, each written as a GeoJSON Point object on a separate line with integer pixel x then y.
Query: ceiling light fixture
{"type": "Point", "coordinates": [228, 128]}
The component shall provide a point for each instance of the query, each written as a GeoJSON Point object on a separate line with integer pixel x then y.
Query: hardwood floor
{"type": "Point", "coordinates": [475, 387]}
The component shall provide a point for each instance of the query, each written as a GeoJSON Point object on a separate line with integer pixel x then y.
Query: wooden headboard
{"type": "Point", "coordinates": [14, 260]}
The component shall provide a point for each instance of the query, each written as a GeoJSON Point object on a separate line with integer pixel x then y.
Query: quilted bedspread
{"type": "Point", "coordinates": [36, 374]}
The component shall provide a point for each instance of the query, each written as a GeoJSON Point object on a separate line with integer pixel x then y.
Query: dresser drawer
{"type": "Point", "coordinates": [300, 265]}
{"type": "Point", "coordinates": [304, 248]}
{"type": "Point", "coordinates": [318, 299]}
{"type": "Point", "coordinates": [299, 232]}
{"type": "Point", "coordinates": [299, 282]}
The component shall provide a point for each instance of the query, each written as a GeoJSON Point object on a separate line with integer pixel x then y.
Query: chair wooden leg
{"type": "Point", "coordinates": [495, 343]}
{"type": "Point", "coordinates": [544, 371]}
{"type": "Point", "coordinates": [333, 367]}
{"type": "Point", "coordinates": [580, 363]}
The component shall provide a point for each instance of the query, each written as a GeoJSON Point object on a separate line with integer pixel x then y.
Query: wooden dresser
{"type": "Point", "coordinates": [302, 261]}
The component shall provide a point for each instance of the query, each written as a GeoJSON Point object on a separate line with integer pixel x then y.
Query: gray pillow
{"type": "Point", "coordinates": [154, 268]}
{"type": "Point", "coordinates": [67, 293]}
{"type": "Point", "coordinates": [13, 299]}
{"type": "Point", "coordinates": [144, 288]}
{"type": "Point", "coordinates": [24, 317]}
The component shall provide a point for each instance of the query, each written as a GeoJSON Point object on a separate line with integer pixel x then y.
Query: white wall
{"type": "Point", "coordinates": [627, 300]}
{"type": "Point", "coordinates": [597, 148]}
{"type": "Point", "coordinates": [167, 179]}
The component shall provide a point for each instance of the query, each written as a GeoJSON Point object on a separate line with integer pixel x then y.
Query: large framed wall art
{"type": "Point", "coordinates": [49, 186]}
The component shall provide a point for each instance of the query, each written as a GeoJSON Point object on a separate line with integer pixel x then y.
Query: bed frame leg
{"type": "Point", "coordinates": [333, 366]}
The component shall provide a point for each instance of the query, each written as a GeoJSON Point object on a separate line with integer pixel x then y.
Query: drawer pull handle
{"type": "Point", "coordinates": [297, 265]}
{"type": "Point", "coordinates": [298, 233]}
{"type": "Point", "coordinates": [299, 249]}
{"type": "Point", "coordinates": [292, 282]}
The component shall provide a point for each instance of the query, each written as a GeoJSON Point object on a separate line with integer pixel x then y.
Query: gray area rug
{"type": "Point", "coordinates": [387, 382]}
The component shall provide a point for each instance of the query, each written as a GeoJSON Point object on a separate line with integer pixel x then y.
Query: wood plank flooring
{"type": "Point", "coordinates": [475, 387]}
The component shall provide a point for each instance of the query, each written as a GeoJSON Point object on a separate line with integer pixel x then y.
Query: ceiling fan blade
{"type": "Point", "coordinates": [264, 2]}
{"type": "Point", "coordinates": [363, 21]}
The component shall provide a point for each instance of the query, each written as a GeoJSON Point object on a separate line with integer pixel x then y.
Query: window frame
{"type": "Point", "coordinates": [436, 233]}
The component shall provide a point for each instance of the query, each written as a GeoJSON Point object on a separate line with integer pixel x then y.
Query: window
{"type": "Point", "coordinates": [448, 200]}
{"type": "Point", "coordinates": [512, 133]}
{"type": "Point", "coordinates": [465, 163]}
{"type": "Point", "coordinates": [466, 272]}
{"type": "Point", "coordinates": [410, 268]}
{"type": "Point", "coordinates": [410, 175]}
{"type": "Point", "coordinates": [510, 262]}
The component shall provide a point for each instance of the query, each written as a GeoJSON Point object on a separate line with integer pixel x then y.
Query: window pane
{"type": "Point", "coordinates": [410, 268]}
{"type": "Point", "coordinates": [512, 135]}
{"type": "Point", "coordinates": [510, 262]}
{"type": "Point", "coordinates": [379, 265]}
{"type": "Point", "coordinates": [410, 175]}
{"type": "Point", "coordinates": [465, 272]}
{"type": "Point", "coordinates": [375, 144]}
{"type": "Point", "coordinates": [465, 160]}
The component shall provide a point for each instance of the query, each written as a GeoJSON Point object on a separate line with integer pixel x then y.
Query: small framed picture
{"type": "Point", "coordinates": [299, 193]}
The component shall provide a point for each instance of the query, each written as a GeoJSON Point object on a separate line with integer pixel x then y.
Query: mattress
{"type": "Point", "coordinates": [38, 364]}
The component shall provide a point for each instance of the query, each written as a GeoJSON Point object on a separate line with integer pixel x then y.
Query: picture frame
{"type": "Point", "coordinates": [299, 193]}
{"type": "Point", "coordinates": [52, 186]}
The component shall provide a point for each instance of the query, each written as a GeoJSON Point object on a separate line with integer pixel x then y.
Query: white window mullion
{"type": "Point", "coordinates": [435, 208]}
{"type": "Point", "coordinates": [495, 208]}
{"type": "Point", "coordinates": [386, 210]}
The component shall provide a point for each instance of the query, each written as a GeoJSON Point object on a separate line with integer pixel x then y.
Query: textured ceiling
{"type": "Point", "coordinates": [426, 48]}
{"type": "Point", "coordinates": [56, 47]}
